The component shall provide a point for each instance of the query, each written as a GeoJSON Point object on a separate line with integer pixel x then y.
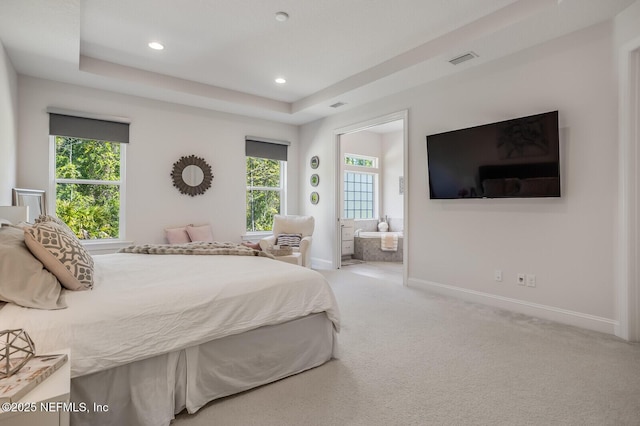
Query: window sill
{"type": "Point", "coordinates": [256, 236]}
{"type": "Point", "coordinates": [105, 246]}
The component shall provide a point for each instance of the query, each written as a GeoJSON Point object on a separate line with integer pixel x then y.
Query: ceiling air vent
{"type": "Point", "coordinates": [462, 58]}
{"type": "Point", "coordinates": [337, 104]}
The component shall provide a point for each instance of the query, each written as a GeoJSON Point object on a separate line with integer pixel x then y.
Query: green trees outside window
{"type": "Point", "coordinates": [88, 185]}
{"type": "Point", "coordinates": [264, 192]}
{"type": "Point", "coordinates": [356, 160]}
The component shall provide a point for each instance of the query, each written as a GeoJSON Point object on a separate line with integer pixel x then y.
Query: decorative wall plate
{"type": "Point", "coordinates": [315, 180]}
{"type": "Point", "coordinates": [315, 197]}
{"type": "Point", "coordinates": [315, 162]}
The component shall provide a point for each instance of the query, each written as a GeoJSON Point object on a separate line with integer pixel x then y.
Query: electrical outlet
{"type": "Point", "coordinates": [531, 280]}
{"type": "Point", "coordinates": [521, 279]}
{"type": "Point", "coordinates": [498, 275]}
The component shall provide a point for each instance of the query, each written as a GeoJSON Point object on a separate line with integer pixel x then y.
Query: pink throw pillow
{"type": "Point", "coordinates": [177, 235]}
{"type": "Point", "coordinates": [200, 233]}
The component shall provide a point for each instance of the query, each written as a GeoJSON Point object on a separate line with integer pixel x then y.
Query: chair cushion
{"type": "Point", "coordinates": [302, 225]}
{"type": "Point", "coordinates": [294, 258]}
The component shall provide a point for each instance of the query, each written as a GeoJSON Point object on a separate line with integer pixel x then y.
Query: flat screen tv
{"type": "Point", "coordinates": [517, 158]}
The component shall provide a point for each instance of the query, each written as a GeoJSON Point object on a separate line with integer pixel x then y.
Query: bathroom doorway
{"type": "Point", "coordinates": [371, 204]}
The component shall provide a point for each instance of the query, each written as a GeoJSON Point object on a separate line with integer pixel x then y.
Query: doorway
{"type": "Point", "coordinates": [371, 190]}
{"type": "Point", "coordinates": [628, 281]}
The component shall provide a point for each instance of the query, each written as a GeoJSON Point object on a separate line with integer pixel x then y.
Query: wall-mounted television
{"type": "Point", "coordinates": [518, 158]}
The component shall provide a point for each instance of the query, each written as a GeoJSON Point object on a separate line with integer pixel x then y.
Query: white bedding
{"type": "Point", "coordinates": [145, 305]}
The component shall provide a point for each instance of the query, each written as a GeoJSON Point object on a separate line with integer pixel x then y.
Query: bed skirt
{"type": "Point", "coordinates": [150, 392]}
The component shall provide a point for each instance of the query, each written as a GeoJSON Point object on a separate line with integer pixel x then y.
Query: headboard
{"type": "Point", "coordinates": [14, 214]}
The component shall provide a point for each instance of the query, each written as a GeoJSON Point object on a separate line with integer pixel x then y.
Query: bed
{"type": "Point", "coordinates": [158, 334]}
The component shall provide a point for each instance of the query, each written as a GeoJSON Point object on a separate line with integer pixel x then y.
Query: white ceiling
{"type": "Point", "coordinates": [225, 54]}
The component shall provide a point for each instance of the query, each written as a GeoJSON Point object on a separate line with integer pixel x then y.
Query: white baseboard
{"type": "Point", "coordinates": [578, 319]}
{"type": "Point", "coordinates": [317, 263]}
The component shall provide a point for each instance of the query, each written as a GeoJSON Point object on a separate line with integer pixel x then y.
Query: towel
{"type": "Point", "coordinates": [389, 242]}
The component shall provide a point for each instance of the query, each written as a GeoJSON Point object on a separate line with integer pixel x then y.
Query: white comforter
{"type": "Point", "coordinates": [145, 305]}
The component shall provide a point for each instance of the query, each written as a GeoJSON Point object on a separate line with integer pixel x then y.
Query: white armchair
{"type": "Point", "coordinates": [302, 225]}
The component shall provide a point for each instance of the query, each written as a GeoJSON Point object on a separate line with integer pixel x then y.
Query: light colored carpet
{"type": "Point", "coordinates": [409, 357]}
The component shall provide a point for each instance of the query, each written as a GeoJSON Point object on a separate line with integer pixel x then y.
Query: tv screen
{"type": "Point", "coordinates": [517, 158]}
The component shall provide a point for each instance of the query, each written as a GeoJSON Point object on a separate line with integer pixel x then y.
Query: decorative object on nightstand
{"type": "Point", "coordinates": [52, 390]}
{"type": "Point", "coordinates": [16, 350]}
{"type": "Point", "coordinates": [38, 368]}
{"type": "Point", "coordinates": [191, 175]}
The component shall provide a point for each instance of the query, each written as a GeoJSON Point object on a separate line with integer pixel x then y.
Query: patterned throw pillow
{"type": "Point", "coordinates": [291, 240]}
{"type": "Point", "coordinates": [46, 218]}
{"type": "Point", "coordinates": [61, 253]}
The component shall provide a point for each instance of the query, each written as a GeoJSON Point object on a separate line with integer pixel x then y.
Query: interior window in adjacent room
{"type": "Point", "coordinates": [360, 186]}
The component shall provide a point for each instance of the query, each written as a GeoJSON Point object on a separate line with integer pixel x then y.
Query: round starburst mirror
{"type": "Point", "coordinates": [192, 175]}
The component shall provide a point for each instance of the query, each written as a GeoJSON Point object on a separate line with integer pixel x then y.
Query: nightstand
{"type": "Point", "coordinates": [55, 388]}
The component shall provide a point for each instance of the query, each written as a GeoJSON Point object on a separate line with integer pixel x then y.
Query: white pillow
{"type": "Point", "coordinates": [25, 281]}
{"type": "Point", "coordinates": [177, 235]}
{"type": "Point", "coordinates": [200, 233]}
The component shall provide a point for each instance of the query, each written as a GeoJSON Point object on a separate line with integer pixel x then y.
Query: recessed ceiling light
{"type": "Point", "coordinates": [282, 16]}
{"type": "Point", "coordinates": [280, 80]}
{"type": "Point", "coordinates": [156, 46]}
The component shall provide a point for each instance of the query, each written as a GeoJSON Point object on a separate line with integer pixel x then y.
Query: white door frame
{"type": "Point", "coordinates": [627, 283]}
{"type": "Point", "coordinates": [363, 125]}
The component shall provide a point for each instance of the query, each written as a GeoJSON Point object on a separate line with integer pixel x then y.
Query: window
{"type": "Point", "coordinates": [89, 174]}
{"type": "Point", "coordinates": [266, 183]}
{"type": "Point", "coordinates": [358, 195]}
{"type": "Point", "coordinates": [88, 185]}
{"type": "Point", "coordinates": [360, 186]}
{"type": "Point", "coordinates": [360, 160]}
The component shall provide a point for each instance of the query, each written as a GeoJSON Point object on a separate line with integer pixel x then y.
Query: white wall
{"type": "Point", "coordinates": [392, 157]}
{"type": "Point", "coordinates": [160, 134]}
{"type": "Point", "coordinates": [627, 25]}
{"type": "Point", "coordinates": [567, 242]}
{"type": "Point", "coordinates": [8, 127]}
{"type": "Point", "coordinates": [363, 143]}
